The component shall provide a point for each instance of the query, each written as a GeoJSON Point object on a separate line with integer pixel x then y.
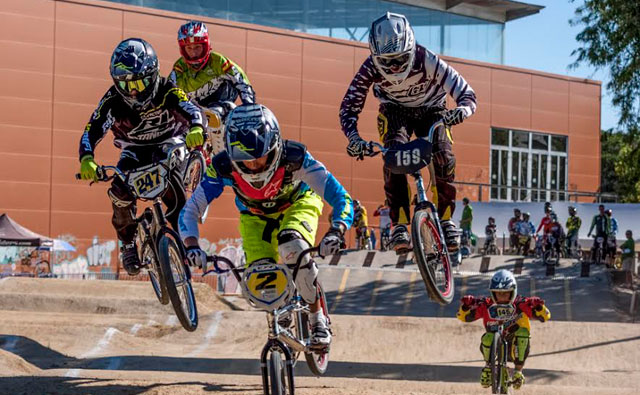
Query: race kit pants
{"type": "Point", "coordinates": [285, 235]}
{"type": "Point", "coordinates": [396, 125]}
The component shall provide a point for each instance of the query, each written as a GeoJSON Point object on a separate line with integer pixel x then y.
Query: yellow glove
{"type": "Point", "coordinates": [88, 168]}
{"type": "Point", "coordinates": [194, 137]}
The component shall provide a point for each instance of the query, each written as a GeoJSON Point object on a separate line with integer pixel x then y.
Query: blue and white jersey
{"type": "Point", "coordinates": [300, 174]}
{"type": "Point", "coordinates": [525, 228]}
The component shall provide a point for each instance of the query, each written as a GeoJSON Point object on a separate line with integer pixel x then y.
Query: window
{"type": "Point", "coordinates": [528, 166]}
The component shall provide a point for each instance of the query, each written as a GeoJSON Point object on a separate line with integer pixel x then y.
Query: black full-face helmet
{"type": "Point", "coordinates": [135, 72]}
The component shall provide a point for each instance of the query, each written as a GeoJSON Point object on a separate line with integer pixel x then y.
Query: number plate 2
{"type": "Point", "coordinates": [408, 158]}
{"type": "Point", "coordinates": [267, 286]}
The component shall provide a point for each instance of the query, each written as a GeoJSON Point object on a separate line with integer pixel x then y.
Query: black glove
{"type": "Point", "coordinates": [455, 116]}
{"type": "Point", "coordinates": [196, 257]}
{"type": "Point", "coordinates": [357, 147]}
{"type": "Point", "coordinates": [331, 243]}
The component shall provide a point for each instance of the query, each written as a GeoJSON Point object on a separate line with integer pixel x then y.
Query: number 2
{"type": "Point", "coordinates": [268, 283]}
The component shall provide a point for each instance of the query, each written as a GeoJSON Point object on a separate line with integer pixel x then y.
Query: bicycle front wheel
{"type": "Point", "coordinates": [432, 257]}
{"type": "Point", "coordinates": [277, 374]}
{"type": "Point", "coordinates": [178, 283]}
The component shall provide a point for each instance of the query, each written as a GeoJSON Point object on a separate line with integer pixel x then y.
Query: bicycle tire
{"type": "Point", "coordinates": [424, 226]}
{"type": "Point", "coordinates": [277, 374]}
{"type": "Point", "coordinates": [170, 256]}
{"type": "Point", "coordinates": [495, 364]}
{"type": "Point", "coordinates": [318, 362]}
{"type": "Point", "coordinates": [155, 273]}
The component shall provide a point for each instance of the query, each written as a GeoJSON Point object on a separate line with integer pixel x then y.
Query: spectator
{"type": "Point", "coordinates": [628, 257]}
{"type": "Point", "coordinates": [602, 225]}
{"type": "Point", "coordinates": [573, 227]}
{"type": "Point", "coordinates": [613, 233]}
{"type": "Point", "coordinates": [545, 221]}
{"type": "Point", "coordinates": [467, 216]}
{"type": "Point", "coordinates": [513, 232]}
{"type": "Point", "coordinates": [525, 229]}
{"type": "Point", "coordinates": [385, 223]}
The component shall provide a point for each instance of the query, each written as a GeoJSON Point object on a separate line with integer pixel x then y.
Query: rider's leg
{"type": "Point", "coordinates": [392, 128]}
{"type": "Point", "coordinates": [297, 232]}
{"type": "Point", "coordinates": [445, 165]}
{"type": "Point", "coordinates": [522, 346]}
{"type": "Point", "coordinates": [174, 199]}
{"type": "Point", "coordinates": [485, 349]}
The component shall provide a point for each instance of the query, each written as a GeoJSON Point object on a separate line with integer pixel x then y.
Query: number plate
{"type": "Point", "coordinates": [408, 158]}
{"type": "Point", "coordinates": [502, 312]}
{"type": "Point", "coordinates": [267, 286]}
{"type": "Point", "coordinates": [148, 183]}
{"type": "Point", "coordinates": [600, 239]}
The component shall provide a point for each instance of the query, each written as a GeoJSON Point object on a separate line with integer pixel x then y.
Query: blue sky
{"type": "Point", "coordinates": [544, 42]}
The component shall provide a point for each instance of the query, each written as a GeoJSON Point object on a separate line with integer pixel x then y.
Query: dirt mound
{"type": "Point", "coordinates": [93, 297]}
{"type": "Point", "coordinates": [13, 365]}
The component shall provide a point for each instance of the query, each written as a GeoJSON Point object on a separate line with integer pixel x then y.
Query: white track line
{"type": "Point", "coordinates": [102, 344]}
{"type": "Point", "coordinates": [211, 333]}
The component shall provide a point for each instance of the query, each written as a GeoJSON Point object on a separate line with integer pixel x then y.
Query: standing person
{"type": "Point", "coordinates": [511, 227]}
{"type": "Point", "coordinates": [525, 230]}
{"type": "Point", "coordinates": [573, 229]}
{"type": "Point", "coordinates": [385, 224]}
{"type": "Point", "coordinates": [602, 226]}
{"type": "Point", "coordinates": [411, 84]}
{"type": "Point", "coordinates": [146, 113]}
{"type": "Point", "coordinates": [613, 234]}
{"type": "Point", "coordinates": [210, 79]}
{"type": "Point", "coordinates": [466, 221]}
{"type": "Point", "coordinates": [280, 187]}
{"type": "Point", "coordinates": [628, 257]}
{"type": "Point", "coordinates": [545, 222]}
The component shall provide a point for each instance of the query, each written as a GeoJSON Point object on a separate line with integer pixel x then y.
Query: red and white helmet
{"type": "Point", "coordinates": [194, 32]}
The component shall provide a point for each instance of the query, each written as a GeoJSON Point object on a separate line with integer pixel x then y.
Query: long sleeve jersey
{"type": "Point", "coordinates": [170, 114]}
{"type": "Point", "coordinates": [219, 80]}
{"type": "Point", "coordinates": [524, 311]}
{"type": "Point", "coordinates": [426, 86]}
{"type": "Point", "coordinates": [301, 174]}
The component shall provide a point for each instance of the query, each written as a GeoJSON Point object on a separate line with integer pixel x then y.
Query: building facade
{"type": "Point", "coordinates": [531, 129]}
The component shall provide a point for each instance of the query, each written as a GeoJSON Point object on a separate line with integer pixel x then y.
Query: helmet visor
{"type": "Point", "coordinates": [393, 64]}
{"type": "Point", "coordinates": [256, 166]}
{"type": "Point", "coordinates": [138, 86]}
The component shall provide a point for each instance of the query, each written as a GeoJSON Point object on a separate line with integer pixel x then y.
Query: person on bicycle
{"type": "Point", "coordinates": [613, 233]}
{"type": "Point", "coordinates": [525, 228]}
{"type": "Point", "coordinates": [573, 227]}
{"type": "Point", "coordinates": [146, 113]}
{"type": "Point", "coordinates": [503, 289]}
{"type": "Point", "coordinates": [411, 84]}
{"type": "Point", "coordinates": [279, 187]}
{"type": "Point", "coordinates": [602, 224]}
{"type": "Point", "coordinates": [554, 234]}
{"type": "Point", "coordinates": [210, 79]}
{"type": "Point", "coordinates": [385, 224]}
{"type": "Point", "coordinates": [511, 227]}
{"type": "Point", "coordinates": [361, 224]}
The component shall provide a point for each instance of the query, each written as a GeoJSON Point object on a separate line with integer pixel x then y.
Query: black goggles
{"type": "Point", "coordinates": [394, 62]}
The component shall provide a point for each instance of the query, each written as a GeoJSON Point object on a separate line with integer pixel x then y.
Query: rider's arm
{"type": "Point", "coordinates": [100, 122]}
{"type": "Point", "coordinates": [593, 224]}
{"type": "Point", "coordinates": [209, 189]}
{"type": "Point", "coordinates": [452, 82]}
{"type": "Point", "coordinates": [472, 312]}
{"type": "Point", "coordinates": [540, 226]}
{"type": "Point", "coordinates": [314, 174]}
{"type": "Point", "coordinates": [177, 98]}
{"type": "Point", "coordinates": [354, 99]}
{"type": "Point", "coordinates": [235, 74]}
{"type": "Point", "coordinates": [534, 307]}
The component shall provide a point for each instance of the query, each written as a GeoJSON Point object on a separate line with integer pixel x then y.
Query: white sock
{"type": "Point", "coordinates": [316, 317]}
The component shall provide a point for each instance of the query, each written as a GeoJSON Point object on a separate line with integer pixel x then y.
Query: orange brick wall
{"type": "Point", "coordinates": [55, 69]}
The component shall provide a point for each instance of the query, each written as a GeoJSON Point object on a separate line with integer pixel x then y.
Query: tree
{"type": "Point", "coordinates": [611, 40]}
{"type": "Point", "coordinates": [620, 164]}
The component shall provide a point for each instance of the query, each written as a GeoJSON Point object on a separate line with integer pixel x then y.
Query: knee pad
{"type": "Point", "coordinates": [290, 245]}
{"type": "Point", "coordinates": [120, 196]}
{"type": "Point", "coordinates": [485, 345]}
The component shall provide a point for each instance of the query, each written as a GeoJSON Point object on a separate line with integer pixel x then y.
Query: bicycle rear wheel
{"type": "Point", "coordinates": [178, 283]}
{"type": "Point", "coordinates": [432, 257]}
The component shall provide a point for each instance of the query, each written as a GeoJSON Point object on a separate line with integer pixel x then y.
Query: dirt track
{"type": "Point", "coordinates": [106, 337]}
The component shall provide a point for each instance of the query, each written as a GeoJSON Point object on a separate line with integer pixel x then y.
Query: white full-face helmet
{"type": "Point", "coordinates": [393, 46]}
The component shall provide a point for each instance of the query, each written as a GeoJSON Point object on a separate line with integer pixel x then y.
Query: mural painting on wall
{"type": "Point", "coordinates": [230, 248]}
{"type": "Point", "coordinates": [97, 255]}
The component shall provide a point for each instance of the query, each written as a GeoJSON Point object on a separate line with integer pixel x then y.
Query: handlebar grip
{"type": "Point", "coordinates": [78, 176]}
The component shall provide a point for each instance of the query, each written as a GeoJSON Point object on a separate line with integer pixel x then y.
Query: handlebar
{"type": "Point", "coordinates": [215, 259]}
{"type": "Point", "coordinates": [101, 171]}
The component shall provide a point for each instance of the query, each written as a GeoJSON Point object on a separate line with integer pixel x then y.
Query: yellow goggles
{"type": "Point", "coordinates": [137, 85]}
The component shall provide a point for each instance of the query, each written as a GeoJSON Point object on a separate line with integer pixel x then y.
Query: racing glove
{"type": "Point", "coordinates": [455, 116]}
{"type": "Point", "coordinates": [196, 257]}
{"type": "Point", "coordinates": [535, 302]}
{"type": "Point", "coordinates": [357, 147]}
{"type": "Point", "coordinates": [331, 243]}
{"type": "Point", "coordinates": [467, 302]}
{"type": "Point", "coordinates": [194, 138]}
{"type": "Point", "coordinates": [88, 168]}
